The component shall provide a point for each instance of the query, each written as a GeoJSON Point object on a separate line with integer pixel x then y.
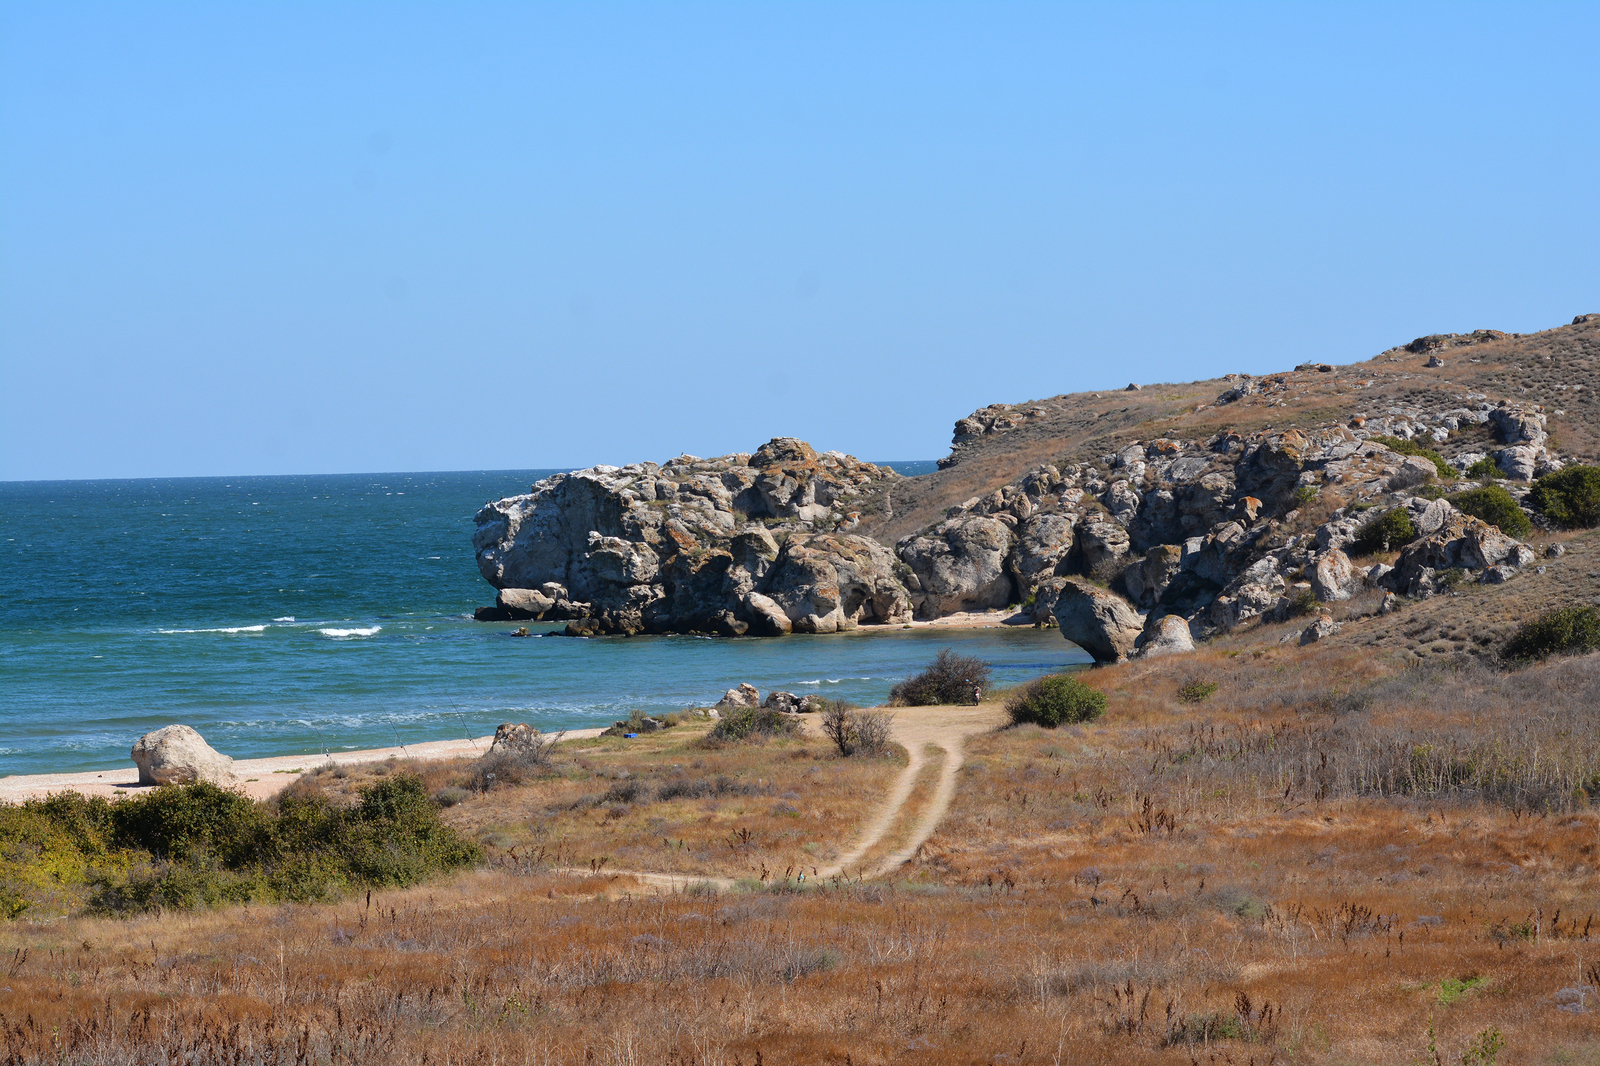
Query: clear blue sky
{"type": "Point", "coordinates": [275, 238]}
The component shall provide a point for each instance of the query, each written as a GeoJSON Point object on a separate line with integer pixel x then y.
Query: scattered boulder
{"type": "Point", "coordinates": [1323, 627]}
{"type": "Point", "coordinates": [178, 755]}
{"type": "Point", "coordinates": [1100, 622]}
{"type": "Point", "coordinates": [1461, 542]}
{"type": "Point", "coordinates": [1168, 635]}
{"type": "Point", "coordinates": [1333, 578]}
{"type": "Point", "coordinates": [515, 738]}
{"type": "Point", "coordinates": [787, 702]}
{"type": "Point", "coordinates": [1434, 362]}
{"type": "Point", "coordinates": [745, 695]}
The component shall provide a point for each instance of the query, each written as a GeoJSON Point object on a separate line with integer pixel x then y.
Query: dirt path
{"type": "Point", "coordinates": [915, 728]}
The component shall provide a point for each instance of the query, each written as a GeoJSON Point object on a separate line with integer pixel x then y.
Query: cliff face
{"type": "Point", "coordinates": [1219, 502]}
{"type": "Point", "coordinates": [757, 543]}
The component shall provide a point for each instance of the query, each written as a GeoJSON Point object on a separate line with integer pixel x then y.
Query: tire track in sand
{"type": "Point", "coordinates": [946, 728]}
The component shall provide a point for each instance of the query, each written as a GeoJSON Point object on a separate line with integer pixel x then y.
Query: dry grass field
{"type": "Point", "coordinates": [1321, 855]}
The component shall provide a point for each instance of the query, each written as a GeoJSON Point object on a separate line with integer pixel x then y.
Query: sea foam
{"type": "Point", "coordinates": [345, 634]}
{"type": "Point", "coordinates": [220, 629]}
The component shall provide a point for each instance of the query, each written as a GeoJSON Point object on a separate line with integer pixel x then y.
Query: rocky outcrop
{"type": "Point", "coordinates": [178, 755]}
{"type": "Point", "coordinates": [516, 738]}
{"type": "Point", "coordinates": [1167, 635]}
{"type": "Point", "coordinates": [743, 695]}
{"type": "Point", "coordinates": [1461, 542]}
{"type": "Point", "coordinates": [1100, 622]}
{"type": "Point", "coordinates": [1219, 531]}
{"type": "Point", "coordinates": [736, 545]}
{"type": "Point", "coordinates": [959, 566]}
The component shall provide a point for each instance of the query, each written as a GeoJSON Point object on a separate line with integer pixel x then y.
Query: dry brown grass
{"type": "Point", "coordinates": [1159, 886]}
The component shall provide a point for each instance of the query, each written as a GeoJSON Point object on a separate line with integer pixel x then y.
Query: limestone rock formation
{"type": "Point", "coordinates": [740, 544]}
{"type": "Point", "coordinates": [1100, 622]}
{"type": "Point", "coordinates": [744, 695]}
{"type": "Point", "coordinates": [1167, 635]}
{"type": "Point", "coordinates": [959, 566]}
{"type": "Point", "coordinates": [178, 755]}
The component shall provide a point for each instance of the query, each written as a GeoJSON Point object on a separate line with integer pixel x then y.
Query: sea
{"type": "Point", "coordinates": [292, 615]}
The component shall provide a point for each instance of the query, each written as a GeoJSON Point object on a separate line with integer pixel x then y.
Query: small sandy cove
{"type": "Point", "coordinates": [259, 778]}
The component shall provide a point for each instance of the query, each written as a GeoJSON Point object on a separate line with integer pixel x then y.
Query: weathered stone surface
{"type": "Point", "coordinates": [1321, 629]}
{"type": "Point", "coordinates": [1100, 622]}
{"type": "Point", "coordinates": [1148, 579]}
{"type": "Point", "coordinates": [1333, 578]}
{"type": "Point", "coordinates": [745, 695]}
{"type": "Point", "coordinates": [1168, 635]}
{"type": "Point", "coordinates": [1043, 548]}
{"type": "Point", "coordinates": [685, 546]}
{"type": "Point", "coordinates": [515, 738]}
{"type": "Point", "coordinates": [1105, 546]}
{"type": "Point", "coordinates": [178, 755]}
{"type": "Point", "coordinates": [959, 566]}
{"type": "Point", "coordinates": [1461, 542]}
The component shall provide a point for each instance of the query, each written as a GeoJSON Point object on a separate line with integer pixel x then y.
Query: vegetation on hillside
{"type": "Point", "coordinates": [1389, 531]}
{"type": "Point", "coordinates": [1411, 447]}
{"type": "Point", "coordinates": [1494, 505]}
{"type": "Point", "coordinates": [1055, 700]}
{"type": "Point", "coordinates": [186, 846]}
{"type": "Point", "coordinates": [1567, 631]}
{"type": "Point", "coordinates": [1569, 497]}
{"type": "Point", "coordinates": [950, 678]}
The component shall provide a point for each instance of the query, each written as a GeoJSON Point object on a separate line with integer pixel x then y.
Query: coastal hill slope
{"type": "Point", "coordinates": [1558, 369]}
{"type": "Point", "coordinates": [1139, 520]}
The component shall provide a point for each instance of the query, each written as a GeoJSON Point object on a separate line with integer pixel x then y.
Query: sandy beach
{"type": "Point", "coordinates": [260, 778]}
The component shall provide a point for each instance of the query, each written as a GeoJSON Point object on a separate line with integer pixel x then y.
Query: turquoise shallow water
{"type": "Point", "coordinates": [282, 615]}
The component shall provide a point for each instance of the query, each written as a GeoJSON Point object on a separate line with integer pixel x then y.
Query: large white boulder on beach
{"type": "Point", "coordinates": [177, 755]}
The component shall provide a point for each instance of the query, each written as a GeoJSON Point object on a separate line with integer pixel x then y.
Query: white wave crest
{"type": "Point", "coordinates": [221, 629]}
{"type": "Point", "coordinates": [285, 618]}
{"type": "Point", "coordinates": [345, 634]}
{"type": "Point", "coordinates": [818, 681]}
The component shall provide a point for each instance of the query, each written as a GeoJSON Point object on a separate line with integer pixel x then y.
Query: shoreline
{"type": "Point", "coordinates": [264, 777]}
{"type": "Point", "coordinates": [259, 778]}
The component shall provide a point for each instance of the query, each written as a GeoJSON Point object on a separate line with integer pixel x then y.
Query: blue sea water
{"type": "Point", "coordinates": [296, 614]}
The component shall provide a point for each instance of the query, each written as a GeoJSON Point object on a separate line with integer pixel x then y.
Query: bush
{"type": "Point", "coordinates": [1568, 631]}
{"type": "Point", "coordinates": [1387, 533]}
{"type": "Point", "coordinates": [754, 724]}
{"type": "Point", "coordinates": [855, 732]}
{"type": "Point", "coordinates": [1197, 691]}
{"type": "Point", "coordinates": [1049, 701]}
{"type": "Point", "coordinates": [1411, 447]}
{"type": "Point", "coordinates": [186, 846]}
{"type": "Point", "coordinates": [1494, 505]}
{"type": "Point", "coordinates": [952, 678]}
{"type": "Point", "coordinates": [1484, 470]}
{"type": "Point", "coordinates": [1570, 498]}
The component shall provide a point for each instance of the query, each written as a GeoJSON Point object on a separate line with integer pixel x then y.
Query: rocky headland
{"type": "Point", "coordinates": [1180, 512]}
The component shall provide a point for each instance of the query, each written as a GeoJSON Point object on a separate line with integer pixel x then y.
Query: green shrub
{"type": "Point", "coordinates": [1567, 631]}
{"type": "Point", "coordinates": [185, 846]}
{"type": "Point", "coordinates": [1494, 505]}
{"type": "Point", "coordinates": [1197, 691]}
{"type": "Point", "coordinates": [1411, 447]}
{"type": "Point", "coordinates": [1303, 495]}
{"type": "Point", "coordinates": [1484, 470]}
{"type": "Point", "coordinates": [951, 678]}
{"type": "Point", "coordinates": [1570, 498]}
{"type": "Point", "coordinates": [1049, 701]}
{"type": "Point", "coordinates": [752, 724]}
{"type": "Point", "coordinates": [1386, 533]}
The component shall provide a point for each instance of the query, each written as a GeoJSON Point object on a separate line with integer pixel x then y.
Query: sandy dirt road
{"type": "Point", "coordinates": [916, 729]}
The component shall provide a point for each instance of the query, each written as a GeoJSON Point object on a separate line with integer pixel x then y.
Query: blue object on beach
{"type": "Point", "coordinates": [630, 736]}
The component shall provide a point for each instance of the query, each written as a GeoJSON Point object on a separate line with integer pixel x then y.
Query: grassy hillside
{"type": "Point", "coordinates": [1559, 368]}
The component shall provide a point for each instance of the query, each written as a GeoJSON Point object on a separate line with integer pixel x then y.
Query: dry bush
{"type": "Point", "coordinates": [949, 679]}
{"type": "Point", "coordinates": [854, 731]}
